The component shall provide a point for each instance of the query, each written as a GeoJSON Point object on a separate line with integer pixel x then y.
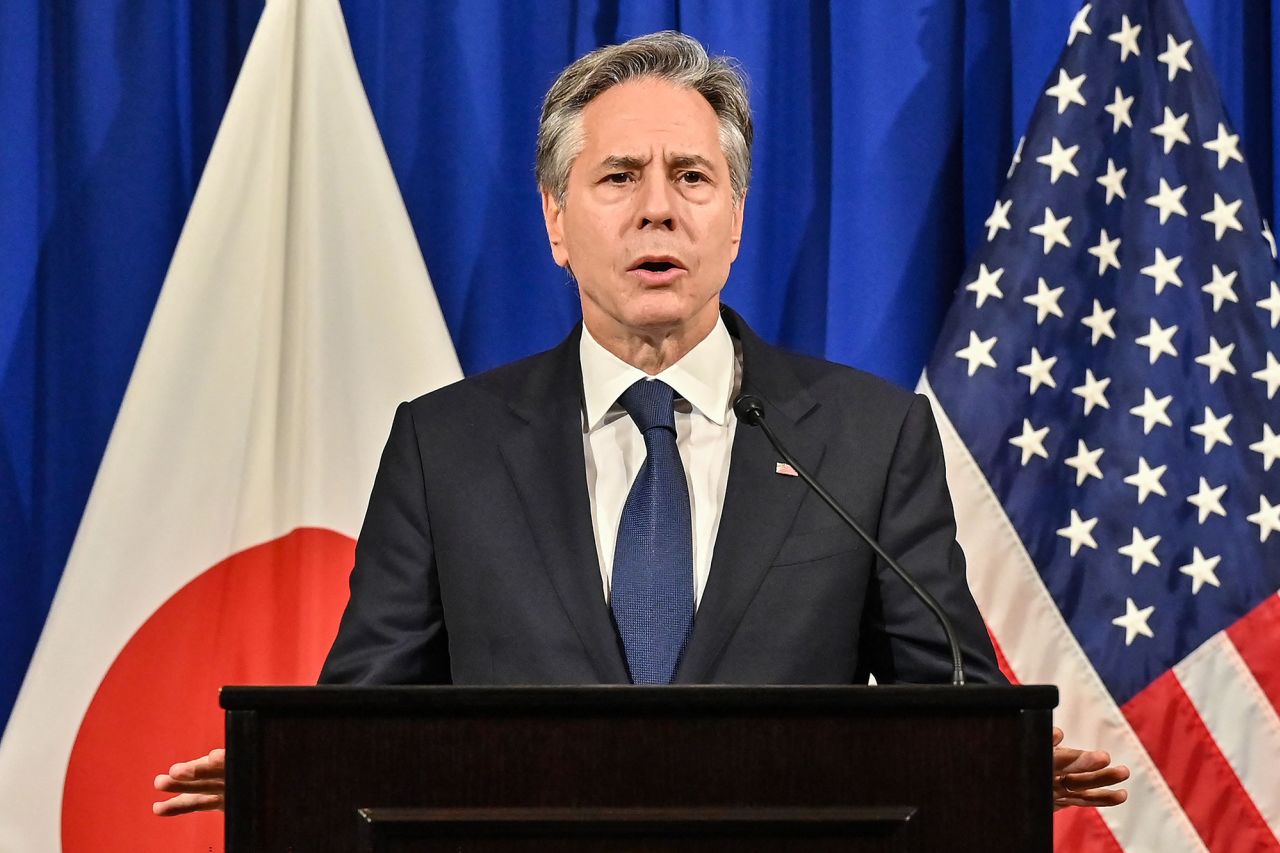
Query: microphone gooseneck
{"type": "Point", "coordinates": [750, 410]}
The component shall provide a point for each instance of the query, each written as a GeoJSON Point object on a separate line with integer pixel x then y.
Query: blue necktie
{"type": "Point", "coordinates": [651, 593]}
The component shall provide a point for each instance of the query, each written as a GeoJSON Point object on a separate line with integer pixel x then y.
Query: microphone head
{"type": "Point", "coordinates": [749, 409]}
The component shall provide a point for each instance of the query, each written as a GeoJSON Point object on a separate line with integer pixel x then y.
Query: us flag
{"type": "Point", "coordinates": [1107, 384]}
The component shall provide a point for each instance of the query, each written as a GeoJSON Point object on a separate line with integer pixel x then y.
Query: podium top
{"type": "Point", "coordinates": [626, 698]}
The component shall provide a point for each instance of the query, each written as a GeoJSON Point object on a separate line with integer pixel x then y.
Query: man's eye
{"type": "Point", "coordinates": [693, 177]}
{"type": "Point", "coordinates": [618, 177]}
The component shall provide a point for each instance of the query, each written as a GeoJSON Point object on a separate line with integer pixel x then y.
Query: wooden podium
{"type": "Point", "coordinates": [623, 768]}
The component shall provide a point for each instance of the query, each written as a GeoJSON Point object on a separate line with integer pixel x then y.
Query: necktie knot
{"type": "Point", "coordinates": [650, 403]}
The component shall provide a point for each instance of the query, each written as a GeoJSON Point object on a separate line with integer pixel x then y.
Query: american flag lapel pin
{"type": "Point", "coordinates": [784, 469]}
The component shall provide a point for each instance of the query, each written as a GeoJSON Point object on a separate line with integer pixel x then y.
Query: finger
{"type": "Point", "coordinates": [1095, 779]}
{"type": "Point", "coordinates": [1090, 794]}
{"type": "Point", "coordinates": [188, 803]}
{"type": "Point", "coordinates": [1101, 794]}
{"type": "Point", "coordinates": [211, 766]}
{"type": "Point", "coordinates": [1061, 793]}
{"type": "Point", "coordinates": [1063, 756]}
{"type": "Point", "coordinates": [189, 770]}
{"type": "Point", "coordinates": [167, 783]}
{"type": "Point", "coordinates": [1069, 760]}
{"type": "Point", "coordinates": [1097, 798]}
{"type": "Point", "coordinates": [1090, 789]}
{"type": "Point", "coordinates": [1057, 735]}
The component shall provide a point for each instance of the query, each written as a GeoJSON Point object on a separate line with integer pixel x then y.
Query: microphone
{"type": "Point", "coordinates": [750, 410]}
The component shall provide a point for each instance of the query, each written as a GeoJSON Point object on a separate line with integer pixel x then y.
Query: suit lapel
{"type": "Point", "coordinates": [545, 459]}
{"type": "Point", "coordinates": [759, 504]}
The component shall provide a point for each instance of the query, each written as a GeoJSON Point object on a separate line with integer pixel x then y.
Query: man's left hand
{"type": "Point", "coordinates": [1083, 778]}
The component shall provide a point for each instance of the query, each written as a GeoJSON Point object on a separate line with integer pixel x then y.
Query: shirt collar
{"type": "Point", "coordinates": [704, 376]}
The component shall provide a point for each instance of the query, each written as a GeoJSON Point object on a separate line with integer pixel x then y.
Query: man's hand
{"type": "Point", "coordinates": [200, 785]}
{"type": "Point", "coordinates": [1081, 778]}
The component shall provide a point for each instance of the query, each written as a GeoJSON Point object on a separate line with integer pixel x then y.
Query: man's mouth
{"type": "Point", "coordinates": [657, 269]}
{"type": "Point", "coordinates": [656, 266]}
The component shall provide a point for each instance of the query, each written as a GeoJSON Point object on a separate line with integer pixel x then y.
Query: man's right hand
{"type": "Point", "coordinates": [200, 785]}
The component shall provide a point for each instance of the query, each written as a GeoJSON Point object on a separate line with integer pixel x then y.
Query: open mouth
{"type": "Point", "coordinates": [657, 266]}
{"type": "Point", "coordinates": [658, 269]}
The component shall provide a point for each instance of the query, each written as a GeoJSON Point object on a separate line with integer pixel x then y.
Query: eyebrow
{"type": "Point", "coordinates": [624, 162]}
{"type": "Point", "coordinates": [681, 161]}
{"type": "Point", "coordinates": [634, 162]}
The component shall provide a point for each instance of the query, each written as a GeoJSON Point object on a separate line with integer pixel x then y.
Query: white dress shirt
{"type": "Point", "coordinates": [707, 378]}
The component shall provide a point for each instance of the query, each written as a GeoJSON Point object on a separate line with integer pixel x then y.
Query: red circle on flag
{"type": "Point", "coordinates": [266, 615]}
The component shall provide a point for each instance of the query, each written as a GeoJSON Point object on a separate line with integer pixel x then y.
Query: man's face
{"type": "Point", "coordinates": [649, 227]}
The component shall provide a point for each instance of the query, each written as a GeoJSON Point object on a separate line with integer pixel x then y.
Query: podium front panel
{"type": "Point", "coordinates": [488, 769]}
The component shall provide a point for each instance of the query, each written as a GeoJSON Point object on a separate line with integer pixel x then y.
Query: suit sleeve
{"type": "Point", "coordinates": [901, 639]}
{"type": "Point", "coordinates": [393, 631]}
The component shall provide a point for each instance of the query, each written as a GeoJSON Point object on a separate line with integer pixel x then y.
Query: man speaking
{"type": "Point", "coordinates": [598, 514]}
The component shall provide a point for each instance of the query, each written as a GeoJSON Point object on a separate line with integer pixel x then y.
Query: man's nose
{"type": "Point", "coordinates": [656, 203]}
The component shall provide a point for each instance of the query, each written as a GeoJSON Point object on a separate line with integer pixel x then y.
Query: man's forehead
{"type": "Point", "coordinates": [650, 106]}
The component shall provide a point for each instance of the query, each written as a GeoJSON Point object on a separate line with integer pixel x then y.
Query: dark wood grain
{"type": "Point", "coordinates": [972, 762]}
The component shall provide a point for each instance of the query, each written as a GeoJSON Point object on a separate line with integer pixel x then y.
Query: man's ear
{"type": "Point", "coordinates": [553, 218]}
{"type": "Point", "coordinates": [736, 233]}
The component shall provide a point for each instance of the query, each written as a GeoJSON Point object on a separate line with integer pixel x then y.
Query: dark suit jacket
{"type": "Point", "coordinates": [477, 562]}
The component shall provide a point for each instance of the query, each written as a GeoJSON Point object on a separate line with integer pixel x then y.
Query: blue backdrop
{"type": "Point", "coordinates": [884, 130]}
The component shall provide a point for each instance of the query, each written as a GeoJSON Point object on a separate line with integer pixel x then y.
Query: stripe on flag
{"type": "Point", "coordinates": [1254, 637]}
{"type": "Point", "coordinates": [1239, 718]}
{"type": "Point", "coordinates": [1197, 771]}
{"type": "Point", "coordinates": [1106, 380]}
{"type": "Point", "coordinates": [216, 541]}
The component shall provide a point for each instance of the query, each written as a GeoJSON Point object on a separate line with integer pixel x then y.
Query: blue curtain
{"type": "Point", "coordinates": [884, 131]}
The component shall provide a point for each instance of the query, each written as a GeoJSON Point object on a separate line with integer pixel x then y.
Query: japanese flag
{"type": "Point", "coordinates": [217, 540]}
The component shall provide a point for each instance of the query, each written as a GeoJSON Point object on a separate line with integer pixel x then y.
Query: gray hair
{"type": "Point", "coordinates": [667, 55]}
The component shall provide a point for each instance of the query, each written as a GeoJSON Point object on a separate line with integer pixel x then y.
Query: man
{"type": "Point", "coordinates": [596, 514]}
